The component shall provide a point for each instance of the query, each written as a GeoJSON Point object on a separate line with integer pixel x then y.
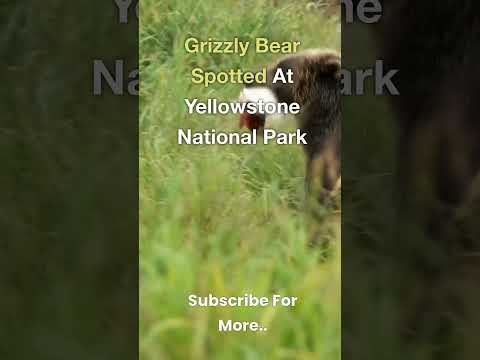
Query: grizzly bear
{"type": "Point", "coordinates": [316, 88]}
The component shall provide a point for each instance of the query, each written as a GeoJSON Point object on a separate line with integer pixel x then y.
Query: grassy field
{"type": "Point", "coordinates": [227, 220]}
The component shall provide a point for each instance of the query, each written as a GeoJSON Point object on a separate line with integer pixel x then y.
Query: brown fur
{"type": "Point", "coordinates": [316, 76]}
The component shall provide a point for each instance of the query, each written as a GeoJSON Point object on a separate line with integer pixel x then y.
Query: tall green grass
{"type": "Point", "coordinates": [227, 220]}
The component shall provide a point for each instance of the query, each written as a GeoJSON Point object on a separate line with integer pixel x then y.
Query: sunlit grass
{"type": "Point", "coordinates": [226, 220]}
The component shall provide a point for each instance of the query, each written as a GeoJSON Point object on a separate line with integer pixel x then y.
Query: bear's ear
{"type": "Point", "coordinates": [329, 66]}
{"type": "Point", "coordinates": [324, 64]}
{"type": "Point", "coordinates": [317, 67]}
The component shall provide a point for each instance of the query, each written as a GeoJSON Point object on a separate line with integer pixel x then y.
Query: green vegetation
{"type": "Point", "coordinates": [227, 220]}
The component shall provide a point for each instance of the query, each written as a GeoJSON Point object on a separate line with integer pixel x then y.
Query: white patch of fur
{"type": "Point", "coordinates": [257, 93]}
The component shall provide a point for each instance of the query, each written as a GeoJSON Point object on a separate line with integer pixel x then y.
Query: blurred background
{"type": "Point", "coordinates": [410, 188]}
